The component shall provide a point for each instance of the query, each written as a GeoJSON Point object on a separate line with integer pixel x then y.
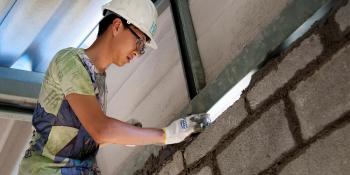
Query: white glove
{"type": "Point", "coordinates": [179, 129]}
{"type": "Point", "coordinates": [135, 123]}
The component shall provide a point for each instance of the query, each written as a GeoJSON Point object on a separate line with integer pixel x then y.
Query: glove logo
{"type": "Point", "coordinates": [183, 124]}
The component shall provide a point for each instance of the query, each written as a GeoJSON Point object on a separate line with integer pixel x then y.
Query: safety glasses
{"type": "Point", "coordinates": [140, 43]}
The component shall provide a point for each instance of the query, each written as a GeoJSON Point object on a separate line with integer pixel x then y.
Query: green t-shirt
{"type": "Point", "coordinates": [60, 144]}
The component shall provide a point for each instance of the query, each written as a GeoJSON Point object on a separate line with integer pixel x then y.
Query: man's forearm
{"type": "Point", "coordinates": [117, 132]}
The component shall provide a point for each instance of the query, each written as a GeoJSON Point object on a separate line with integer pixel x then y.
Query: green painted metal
{"type": "Point", "coordinates": [20, 83]}
{"type": "Point", "coordinates": [17, 89]}
{"type": "Point", "coordinates": [191, 59]}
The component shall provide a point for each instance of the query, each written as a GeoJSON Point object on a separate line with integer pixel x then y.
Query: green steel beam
{"type": "Point", "coordinates": [188, 45]}
{"type": "Point", "coordinates": [18, 93]}
{"type": "Point", "coordinates": [20, 83]}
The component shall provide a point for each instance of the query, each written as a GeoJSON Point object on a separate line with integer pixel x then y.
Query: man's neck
{"type": "Point", "coordinates": [98, 55]}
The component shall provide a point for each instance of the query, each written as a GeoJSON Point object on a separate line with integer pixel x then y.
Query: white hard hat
{"type": "Point", "coordinates": [140, 13]}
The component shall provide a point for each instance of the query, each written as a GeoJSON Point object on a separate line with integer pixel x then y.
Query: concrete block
{"type": "Point", "coordinates": [323, 97]}
{"type": "Point", "coordinates": [206, 141]}
{"type": "Point", "coordinates": [175, 166]}
{"type": "Point", "coordinates": [15, 146]}
{"type": "Point", "coordinates": [330, 155]}
{"type": "Point", "coordinates": [297, 59]}
{"type": "Point", "coordinates": [342, 17]}
{"type": "Point", "coordinates": [259, 145]}
{"type": "Point", "coordinates": [5, 130]}
{"type": "Point", "coordinates": [205, 171]}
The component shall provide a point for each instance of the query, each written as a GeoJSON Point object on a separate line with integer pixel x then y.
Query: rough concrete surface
{"type": "Point", "coordinates": [259, 145]}
{"type": "Point", "coordinates": [308, 50]}
{"type": "Point", "coordinates": [206, 141]}
{"type": "Point", "coordinates": [175, 166]}
{"type": "Point", "coordinates": [204, 171]}
{"type": "Point", "coordinates": [343, 17]}
{"type": "Point", "coordinates": [330, 155]}
{"type": "Point", "coordinates": [224, 29]}
{"type": "Point", "coordinates": [13, 150]}
{"type": "Point", "coordinates": [325, 96]}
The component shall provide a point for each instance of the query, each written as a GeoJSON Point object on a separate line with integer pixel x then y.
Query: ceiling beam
{"type": "Point", "coordinates": [186, 35]}
{"type": "Point", "coordinates": [20, 83]}
{"type": "Point", "coordinates": [19, 91]}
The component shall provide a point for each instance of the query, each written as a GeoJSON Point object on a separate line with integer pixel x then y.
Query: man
{"type": "Point", "coordinates": [70, 121]}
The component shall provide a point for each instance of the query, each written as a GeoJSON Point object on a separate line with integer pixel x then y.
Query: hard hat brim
{"type": "Point", "coordinates": [152, 44]}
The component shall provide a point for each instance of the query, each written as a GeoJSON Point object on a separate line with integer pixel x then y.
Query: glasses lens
{"type": "Point", "coordinates": [140, 46]}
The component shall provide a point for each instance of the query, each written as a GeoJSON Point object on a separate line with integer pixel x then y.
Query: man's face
{"type": "Point", "coordinates": [128, 44]}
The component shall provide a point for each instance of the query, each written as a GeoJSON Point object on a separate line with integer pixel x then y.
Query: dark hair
{"type": "Point", "coordinates": [108, 20]}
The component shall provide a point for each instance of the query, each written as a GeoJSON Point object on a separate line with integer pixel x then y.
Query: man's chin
{"type": "Point", "coordinates": [121, 64]}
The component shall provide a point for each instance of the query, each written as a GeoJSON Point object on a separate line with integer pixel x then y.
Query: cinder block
{"type": "Point", "coordinates": [206, 141]}
{"type": "Point", "coordinates": [330, 155]}
{"type": "Point", "coordinates": [175, 166]}
{"type": "Point", "coordinates": [259, 145]}
{"type": "Point", "coordinates": [342, 17]}
{"type": "Point", "coordinates": [13, 149]}
{"type": "Point", "coordinates": [297, 59]}
{"type": "Point", "coordinates": [323, 97]}
{"type": "Point", "coordinates": [205, 171]}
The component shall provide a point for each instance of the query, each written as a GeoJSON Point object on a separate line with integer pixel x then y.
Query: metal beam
{"type": "Point", "coordinates": [191, 59]}
{"type": "Point", "coordinates": [19, 91]}
{"type": "Point", "coordinates": [20, 83]}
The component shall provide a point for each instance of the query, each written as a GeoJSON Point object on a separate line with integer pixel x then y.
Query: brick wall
{"type": "Point", "coordinates": [293, 119]}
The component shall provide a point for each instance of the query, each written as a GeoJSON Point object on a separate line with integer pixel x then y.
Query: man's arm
{"type": "Point", "coordinates": [104, 129]}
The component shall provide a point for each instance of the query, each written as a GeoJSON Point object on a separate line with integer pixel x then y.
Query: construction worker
{"type": "Point", "coordinates": [70, 117]}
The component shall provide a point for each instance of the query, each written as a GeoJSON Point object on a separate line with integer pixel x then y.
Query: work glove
{"type": "Point", "coordinates": [179, 129]}
{"type": "Point", "coordinates": [135, 123]}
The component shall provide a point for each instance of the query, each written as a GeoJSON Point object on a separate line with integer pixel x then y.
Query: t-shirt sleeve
{"type": "Point", "coordinates": [71, 74]}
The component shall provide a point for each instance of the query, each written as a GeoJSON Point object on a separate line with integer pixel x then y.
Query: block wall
{"type": "Point", "coordinates": [293, 119]}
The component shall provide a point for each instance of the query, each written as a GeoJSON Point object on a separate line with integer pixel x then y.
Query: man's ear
{"type": "Point", "coordinates": [116, 26]}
